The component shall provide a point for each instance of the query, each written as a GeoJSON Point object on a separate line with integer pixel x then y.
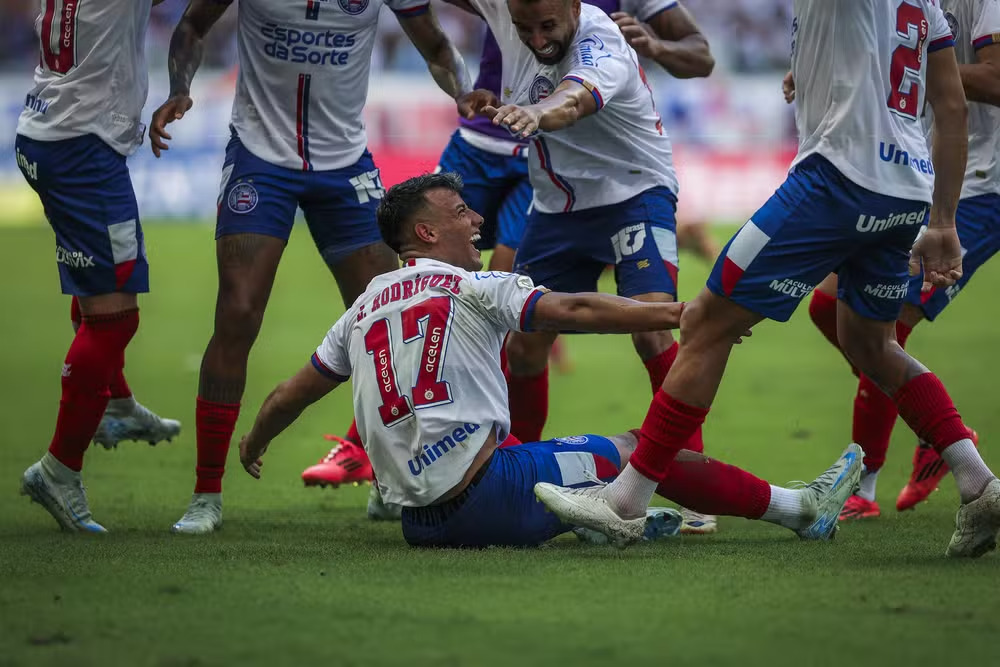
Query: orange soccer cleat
{"type": "Point", "coordinates": [857, 507]}
{"type": "Point", "coordinates": [346, 463]}
{"type": "Point", "coordinates": [928, 470]}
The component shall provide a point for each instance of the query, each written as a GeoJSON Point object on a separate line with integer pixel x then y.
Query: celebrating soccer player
{"type": "Point", "coordinates": [298, 141]}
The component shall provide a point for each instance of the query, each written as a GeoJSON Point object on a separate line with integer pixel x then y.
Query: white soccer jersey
{"type": "Point", "coordinates": [975, 24]}
{"type": "Point", "coordinates": [860, 70]}
{"type": "Point", "coordinates": [608, 157]}
{"type": "Point", "coordinates": [92, 76]}
{"type": "Point", "coordinates": [422, 345]}
{"type": "Point", "coordinates": [303, 78]}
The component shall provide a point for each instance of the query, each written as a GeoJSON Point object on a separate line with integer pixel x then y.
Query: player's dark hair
{"type": "Point", "coordinates": [404, 200]}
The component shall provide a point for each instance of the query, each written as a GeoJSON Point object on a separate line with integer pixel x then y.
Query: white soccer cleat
{"type": "Point", "coordinates": [127, 419]}
{"type": "Point", "coordinates": [378, 510]}
{"type": "Point", "coordinates": [977, 524]}
{"type": "Point", "coordinates": [204, 515]}
{"type": "Point", "coordinates": [826, 495]}
{"type": "Point", "coordinates": [696, 523]}
{"type": "Point", "coordinates": [60, 491]}
{"type": "Point", "coordinates": [661, 522]}
{"type": "Point", "coordinates": [588, 508]}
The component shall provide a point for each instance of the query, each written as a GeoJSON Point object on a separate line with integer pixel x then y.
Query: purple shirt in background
{"type": "Point", "coordinates": [490, 69]}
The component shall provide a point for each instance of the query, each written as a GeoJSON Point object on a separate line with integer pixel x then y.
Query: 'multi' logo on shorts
{"type": "Point", "coordinates": [792, 288]}
{"type": "Point", "coordinates": [73, 258]}
{"type": "Point", "coordinates": [890, 292]}
{"type": "Point", "coordinates": [432, 453]}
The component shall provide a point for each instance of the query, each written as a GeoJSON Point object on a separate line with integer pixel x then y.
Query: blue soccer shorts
{"type": "Point", "coordinates": [496, 187]}
{"type": "Point", "coordinates": [817, 223]}
{"type": "Point", "coordinates": [500, 509]}
{"type": "Point", "coordinates": [87, 194]}
{"type": "Point", "coordinates": [261, 198]}
{"type": "Point", "coordinates": [567, 252]}
{"type": "Point", "coordinates": [978, 224]}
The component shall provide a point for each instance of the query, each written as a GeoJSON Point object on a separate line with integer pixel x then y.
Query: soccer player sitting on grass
{"type": "Point", "coordinates": [423, 347]}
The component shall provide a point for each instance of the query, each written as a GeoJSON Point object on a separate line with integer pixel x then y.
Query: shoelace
{"type": "Point", "coordinates": [591, 477]}
{"type": "Point", "coordinates": [332, 453]}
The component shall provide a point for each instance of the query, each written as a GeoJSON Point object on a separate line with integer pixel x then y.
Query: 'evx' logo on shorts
{"type": "Point", "coordinates": [242, 198]}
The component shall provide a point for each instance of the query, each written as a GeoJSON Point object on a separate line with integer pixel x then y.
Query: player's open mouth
{"type": "Point", "coordinates": [549, 50]}
{"type": "Point", "coordinates": [476, 237]}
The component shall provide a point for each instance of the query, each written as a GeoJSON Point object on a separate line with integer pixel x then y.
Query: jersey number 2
{"type": "Point", "coordinates": [58, 34]}
{"type": "Point", "coordinates": [904, 72]}
{"type": "Point", "coordinates": [430, 320]}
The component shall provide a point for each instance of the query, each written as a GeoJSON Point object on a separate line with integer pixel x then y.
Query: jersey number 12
{"type": "Point", "coordinates": [429, 320]}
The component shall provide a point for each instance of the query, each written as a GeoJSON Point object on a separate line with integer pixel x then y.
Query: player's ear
{"type": "Point", "coordinates": [425, 233]}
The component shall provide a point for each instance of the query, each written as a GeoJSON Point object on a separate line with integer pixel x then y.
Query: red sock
{"type": "Point", "coordinates": [875, 414]}
{"type": "Point", "coordinates": [353, 435]}
{"type": "Point", "coordinates": [119, 386]}
{"type": "Point", "coordinates": [529, 405]}
{"type": "Point", "coordinates": [658, 367]}
{"type": "Point", "coordinates": [99, 345]}
{"type": "Point", "coordinates": [669, 424]}
{"type": "Point", "coordinates": [214, 423]}
{"type": "Point", "coordinates": [713, 487]}
{"type": "Point", "coordinates": [823, 312]}
{"type": "Point", "coordinates": [926, 407]}
{"type": "Point", "coordinates": [75, 316]}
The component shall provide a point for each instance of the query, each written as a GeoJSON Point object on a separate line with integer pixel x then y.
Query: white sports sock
{"type": "Point", "coordinates": [867, 487]}
{"type": "Point", "coordinates": [630, 493]}
{"type": "Point", "coordinates": [970, 471]}
{"type": "Point", "coordinates": [785, 508]}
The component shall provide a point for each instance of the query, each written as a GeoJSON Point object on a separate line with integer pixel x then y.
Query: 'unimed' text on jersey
{"type": "Point", "coordinates": [607, 157]}
{"type": "Point", "coordinates": [303, 78]}
{"type": "Point", "coordinates": [422, 346]}
{"type": "Point", "coordinates": [92, 76]}
{"type": "Point", "coordinates": [860, 73]}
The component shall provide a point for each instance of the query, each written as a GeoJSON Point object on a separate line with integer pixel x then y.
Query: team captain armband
{"type": "Point", "coordinates": [986, 40]}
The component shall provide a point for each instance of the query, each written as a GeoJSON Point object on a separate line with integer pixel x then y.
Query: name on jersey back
{"type": "Point", "coordinates": [316, 47]}
{"type": "Point", "coordinates": [406, 289]}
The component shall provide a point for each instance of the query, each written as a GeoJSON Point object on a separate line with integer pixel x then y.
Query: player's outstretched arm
{"type": "Point", "coordinates": [938, 249]}
{"type": "Point", "coordinates": [672, 38]}
{"type": "Point", "coordinates": [183, 59]}
{"type": "Point", "coordinates": [281, 408]}
{"type": "Point", "coordinates": [981, 79]}
{"type": "Point", "coordinates": [570, 102]}
{"type": "Point", "coordinates": [602, 313]}
{"type": "Point", "coordinates": [443, 58]}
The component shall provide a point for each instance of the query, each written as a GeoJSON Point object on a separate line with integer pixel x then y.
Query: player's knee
{"type": "Point", "coordinates": [238, 318]}
{"type": "Point", "coordinates": [527, 354]}
{"type": "Point", "coordinates": [868, 351]}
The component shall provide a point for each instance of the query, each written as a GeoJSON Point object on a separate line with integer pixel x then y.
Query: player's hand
{"type": "Point", "coordinates": [939, 252]}
{"type": "Point", "coordinates": [171, 110]}
{"type": "Point", "coordinates": [250, 454]}
{"type": "Point", "coordinates": [788, 88]}
{"type": "Point", "coordinates": [638, 36]}
{"type": "Point", "coordinates": [522, 121]}
{"type": "Point", "coordinates": [471, 104]}
{"type": "Point", "coordinates": [745, 334]}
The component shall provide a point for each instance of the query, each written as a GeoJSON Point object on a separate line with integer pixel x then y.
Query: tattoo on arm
{"type": "Point", "coordinates": [187, 42]}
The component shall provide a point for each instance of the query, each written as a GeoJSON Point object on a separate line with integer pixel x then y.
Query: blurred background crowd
{"type": "Point", "coordinates": [747, 36]}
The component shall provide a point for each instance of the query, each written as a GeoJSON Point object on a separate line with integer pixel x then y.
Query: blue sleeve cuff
{"type": "Point", "coordinates": [528, 310]}
{"type": "Point", "coordinates": [326, 371]}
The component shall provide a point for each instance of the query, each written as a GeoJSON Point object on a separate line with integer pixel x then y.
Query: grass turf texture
{"type": "Point", "coordinates": [300, 576]}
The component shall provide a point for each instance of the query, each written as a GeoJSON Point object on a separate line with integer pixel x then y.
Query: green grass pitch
{"type": "Point", "coordinates": [299, 576]}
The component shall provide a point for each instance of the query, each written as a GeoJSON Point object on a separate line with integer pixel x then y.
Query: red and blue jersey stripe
{"type": "Point", "coordinates": [592, 88]}
{"type": "Point", "coordinates": [986, 40]}
{"type": "Point", "coordinates": [302, 120]}
{"type": "Point", "coordinates": [412, 11]}
{"type": "Point", "coordinates": [943, 43]}
{"type": "Point", "coordinates": [546, 162]}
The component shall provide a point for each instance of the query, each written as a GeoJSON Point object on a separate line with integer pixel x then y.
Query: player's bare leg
{"type": "Point", "coordinates": [247, 264]}
{"type": "Point", "coordinates": [108, 323]}
{"type": "Point", "coordinates": [347, 462]}
{"type": "Point", "coordinates": [926, 407]}
{"type": "Point", "coordinates": [125, 418]}
{"type": "Point", "coordinates": [528, 382]}
{"type": "Point", "coordinates": [694, 237]}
